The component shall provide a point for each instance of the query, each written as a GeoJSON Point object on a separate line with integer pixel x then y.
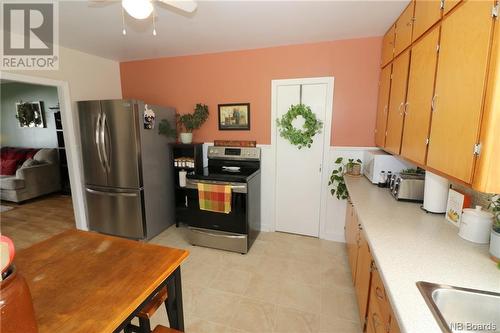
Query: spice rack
{"type": "Point", "coordinates": [187, 157]}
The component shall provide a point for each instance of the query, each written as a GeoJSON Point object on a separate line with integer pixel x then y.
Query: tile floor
{"type": "Point", "coordinates": [286, 283]}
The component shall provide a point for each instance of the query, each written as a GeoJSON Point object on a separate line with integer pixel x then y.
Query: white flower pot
{"type": "Point", "coordinates": [495, 244]}
{"type": "Point", "coordinates": [186, 137]}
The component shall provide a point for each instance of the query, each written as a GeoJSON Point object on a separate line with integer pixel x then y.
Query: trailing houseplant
{"type": "Point", "coordinates": [192, 121]}
{"type": "Point", "coordinates": [299, 137]}
{"type": "Point", "coordinates": [343, 167]}
{"type": "Point", "coordinates": [495, 229]}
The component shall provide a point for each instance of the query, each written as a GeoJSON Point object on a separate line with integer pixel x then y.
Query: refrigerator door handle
{"type": "Point", "coordinates": [107, 149]}
{"type": "Point", "coordinates": [98, 140]}
{"type": "Point", "coordinates": [103, 143]}
{"type": "Point", "coordinates": [112, 194]}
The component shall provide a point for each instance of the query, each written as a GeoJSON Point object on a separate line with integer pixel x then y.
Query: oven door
{"type": "Point", "coordinates": [235, 221]}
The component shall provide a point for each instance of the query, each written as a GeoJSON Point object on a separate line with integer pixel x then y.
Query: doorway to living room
{"type": "Point", "coordinates": [38, 200]}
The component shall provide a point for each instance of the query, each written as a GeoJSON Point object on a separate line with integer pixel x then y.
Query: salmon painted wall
{"type": "Point", "coordinates": [245, 76]}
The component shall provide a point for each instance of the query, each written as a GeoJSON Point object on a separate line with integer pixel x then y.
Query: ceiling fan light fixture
{"type": "Point", "coordinates": [138, 9]}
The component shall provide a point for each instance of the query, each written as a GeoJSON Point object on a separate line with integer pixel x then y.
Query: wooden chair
{"type": "Point", "coordinates": [147, 312]}
{"type": "Point", "coordinates": [163, 329]}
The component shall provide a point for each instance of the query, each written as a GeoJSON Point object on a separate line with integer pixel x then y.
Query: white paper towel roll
{"type": "Point", "coordinates": [435, 193]}
{"type": "Point", "coordinates": [182, 178]}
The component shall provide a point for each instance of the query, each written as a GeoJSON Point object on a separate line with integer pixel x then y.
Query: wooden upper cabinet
{"type": "Point", "coordinates": [363, 276]}
{"type": "Point", "coordinates": [383, 105]}
{"type": "Point", "coordinates": [419, 98]}
{"type": "Point", "coordinates": [427, 13]}
{"type": "Point", "coordinates": [388, 46]}
{"type": "Point", "coordinates": [450, 4]}
{"type": "Point", "coordinates": [460, 84]}
{"type": "Point", "coordinates": [486, 176]}
{"type": "Point", "coordinates": [397, 103]}
{"type": "Point", "coordinates": [404, 28]}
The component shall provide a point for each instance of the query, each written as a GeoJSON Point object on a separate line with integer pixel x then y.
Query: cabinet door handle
{"type": "Point", "coordinates": [433, 103]}
{"type": "Point", "coordinates": [400, 108]}
{"type": "Point", "coordinates": [406, 108]}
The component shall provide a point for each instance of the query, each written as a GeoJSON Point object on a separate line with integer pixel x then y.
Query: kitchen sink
{"type": "Point", "coordinates": [462, 310]}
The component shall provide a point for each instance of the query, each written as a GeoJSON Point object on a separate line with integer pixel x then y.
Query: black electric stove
{"type": "Point", "coordinates": [226, 172]}
{"type": "Point", "coordinates": [236, 231]}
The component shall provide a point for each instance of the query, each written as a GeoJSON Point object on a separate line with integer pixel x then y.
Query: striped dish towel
{"type": "Point", "coordinates": [215, 198]}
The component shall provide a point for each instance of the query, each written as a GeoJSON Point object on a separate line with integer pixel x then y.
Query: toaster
{"type": "Point", "coordinates": [407, 187]}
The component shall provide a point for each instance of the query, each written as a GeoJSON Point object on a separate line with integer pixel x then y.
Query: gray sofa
{"type": "Point", "coordinates": [34, 178]}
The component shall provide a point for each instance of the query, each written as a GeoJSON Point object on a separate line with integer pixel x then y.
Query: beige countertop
{"type": "Point", "coordinates": [409, 245]}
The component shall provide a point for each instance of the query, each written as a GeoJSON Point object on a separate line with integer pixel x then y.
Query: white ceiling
{"type": "Point", "coordinates": [216, 26]}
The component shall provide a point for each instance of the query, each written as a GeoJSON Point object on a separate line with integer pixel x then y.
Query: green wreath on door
{"type": "Point", "coordinates": [299, 137]}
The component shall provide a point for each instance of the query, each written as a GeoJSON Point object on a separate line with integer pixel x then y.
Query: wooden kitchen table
{"type": "Point", "coordinates": [90, 283]}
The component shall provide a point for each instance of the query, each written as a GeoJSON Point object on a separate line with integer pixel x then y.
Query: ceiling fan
{"type": "Point", "coordinates": [142, 9]}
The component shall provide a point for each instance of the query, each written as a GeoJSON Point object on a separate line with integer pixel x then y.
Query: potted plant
{"type": "Point", "coordinates": [495, 229]}
{"type": "Point", "coordinates": [192, 121]}
{"type": "Point", "coordinates": [351, 167]}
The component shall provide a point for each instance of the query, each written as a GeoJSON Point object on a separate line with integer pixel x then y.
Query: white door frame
{"type": "Point", "coordinates": [327, 130]}
{"type": "Point", "coordinates": [73, 154]}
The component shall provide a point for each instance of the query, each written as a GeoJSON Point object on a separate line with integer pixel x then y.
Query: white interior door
{"type": "Point", "coordinates": [299, 171]}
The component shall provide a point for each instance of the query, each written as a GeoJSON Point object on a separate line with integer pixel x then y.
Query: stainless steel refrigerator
{"type": "Point", "coordinates": [128, 175]}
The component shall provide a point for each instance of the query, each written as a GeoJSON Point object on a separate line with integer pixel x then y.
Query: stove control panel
{"type": "Point", "coordinates": [238, 153]}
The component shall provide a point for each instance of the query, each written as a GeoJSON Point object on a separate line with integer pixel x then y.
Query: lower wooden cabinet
{"type": "Point", "coordinates": [375, 311]}
{"type": "Point", "coordinates": [363, 275]}
{"type": "Point", "coordinates": [394, 326]}
{"type": "Point", "coordinates": [380, 317]}
{"type": "Point", "coordinates": [352, 238]}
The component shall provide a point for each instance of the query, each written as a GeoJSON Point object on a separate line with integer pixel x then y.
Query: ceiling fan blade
{"type": "Point", "coordinates": [100, 3]}
{"type": "Point", "coordinates": [185, 5]}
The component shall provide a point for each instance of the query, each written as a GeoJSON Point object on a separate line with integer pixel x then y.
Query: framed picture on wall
{"type": "Point", "coordinates": [30, 114]}
{"type": "Point", "coordinates": [234, 117]}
